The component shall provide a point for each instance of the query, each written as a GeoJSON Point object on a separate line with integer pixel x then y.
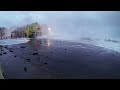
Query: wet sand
{"type": "Point", "coordinates": [55, 59]}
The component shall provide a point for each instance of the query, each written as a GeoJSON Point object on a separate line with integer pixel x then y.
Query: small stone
{"type": "Point", "coordinates": [25, 69]}
{"type": "Point", "coordinates": [14, 56]}
{"type": "Point", "coordinates": [45, 63]}
{"type": "Point", "coordinates": [65, 49]}
{"type": "Point", "coordinates": [22, 47]}
{"type": "Point", "coordinates": [11, 51]}
{"type": "Point", "coordinates": [4, 53]}
{"type": "Point", "coordinates": [0, 54]}
{"type": "Point", "coordinates": [35, 53]}
{"type": "Point", "coordinates": [28, 60]}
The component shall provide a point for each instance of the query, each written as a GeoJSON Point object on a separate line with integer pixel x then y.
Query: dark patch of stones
{"type": "Point", "coordinates": [22, 47]}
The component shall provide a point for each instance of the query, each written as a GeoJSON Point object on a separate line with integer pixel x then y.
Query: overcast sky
{"type": "Point", "coordinates": [72, 24]}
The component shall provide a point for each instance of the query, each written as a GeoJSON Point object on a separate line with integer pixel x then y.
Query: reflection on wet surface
{"type": "Point", "coordinates": [45, 58]}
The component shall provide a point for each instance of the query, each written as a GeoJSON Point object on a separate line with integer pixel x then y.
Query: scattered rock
{"type": "Point", "coordinates": [35, 53]}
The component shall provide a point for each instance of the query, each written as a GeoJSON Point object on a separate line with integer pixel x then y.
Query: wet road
{"type": "Point", "coordinates": [55, 59]}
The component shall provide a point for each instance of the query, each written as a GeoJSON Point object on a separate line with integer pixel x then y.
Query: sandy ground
{"type": "Point", "coordinates": [53, 59]}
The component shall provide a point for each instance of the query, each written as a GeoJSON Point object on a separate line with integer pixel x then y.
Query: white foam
{"type": "Point", "coordinates": [14, 41]}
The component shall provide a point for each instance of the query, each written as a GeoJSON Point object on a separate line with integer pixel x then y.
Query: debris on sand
{"type": "Point", "coordinates": [35, 53]}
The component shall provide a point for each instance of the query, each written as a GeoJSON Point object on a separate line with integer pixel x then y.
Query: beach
{"type": "Point", "coordinates": [58, 59]}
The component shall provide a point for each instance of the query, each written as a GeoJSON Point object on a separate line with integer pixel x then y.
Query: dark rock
{"type": "Point", "coordinates": [35, 53]}
{"type": "Point", "coordinates": [1, 50]}
{"type": "Point", "coordinates": [14, 56]}
{"type": "Point", "coordinates": [11, 51]}
{"type": "Point", "coordinates": [65, 49]}
{"type": "Point", "coordinates": [0, 54]}
{"type": "Point", "coordinates": [5, 47]}
{"type": "Point", "coordinates": [45, 63]}
{"type": "Point", "coordinates": [25, 69]}
{"type": "Point", "coordinates": [28, 60]}
{"type": "Point", "coordinates": [4, 53]}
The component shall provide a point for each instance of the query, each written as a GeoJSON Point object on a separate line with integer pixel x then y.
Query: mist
{"type": "Point", "coordinates": [69, 25]}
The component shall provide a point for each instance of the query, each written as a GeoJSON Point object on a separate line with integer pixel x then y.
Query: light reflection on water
{"type": "Point", "coordinates": [40, 42]}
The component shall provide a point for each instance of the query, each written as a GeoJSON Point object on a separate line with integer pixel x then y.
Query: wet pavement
{"type": "Point", "coordinates": [55, 59]}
